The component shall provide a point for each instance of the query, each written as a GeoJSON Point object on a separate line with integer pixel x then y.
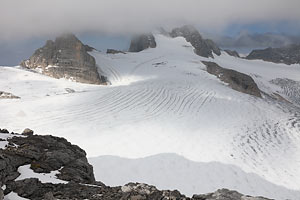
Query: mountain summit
{"type": "Point", "coordinates": [66, 57]}
{"type": "Point", "coordinates": [203, 47]}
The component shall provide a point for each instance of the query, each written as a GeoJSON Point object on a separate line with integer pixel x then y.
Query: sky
{"type": "Point", "coordinates": [26, 24]}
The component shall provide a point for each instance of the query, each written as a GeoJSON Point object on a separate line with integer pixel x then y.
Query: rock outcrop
{"type": "Point", "coordinates": [66, 57]}
{"type": "Point", "coordinates": [113, 51]}
{"type": "Point", "coordinates": [44, 154]}
{"type": "Point", "coordinates": [203, 47]}
{"type": "Point", "coordinates": [288, 55]}
{"type": "Point", "coordinates": [232, 53]}
{"type": "Point", "coordinates": [48, 153]}
{"type": "Point", "coordinates": [142, 42]}
{"type": "Point", "coordinates": [236, 80]}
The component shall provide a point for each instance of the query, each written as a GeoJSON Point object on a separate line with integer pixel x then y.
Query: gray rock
{"type": "Point", "coordinates": [1, 194]}
{"type": "Point", "coordinates": [232, 53]}
{"type": "Point", "coordinates": [49, 196]}
{"type": "Point", "coordinates": [7, 95]}
{"type": "Point", "coordinates": [236, 80]}
{"type": "Point", "coordinates": [27, 132]}
{"type": "Point", "coordinates": [225, 194]}
{"type": "Point", "coordinates": [66, 57]}
{"type": "Point", "coordinates": [142, 42]}
{"type": "Point", "coordinates": [288, 55]}
{"type": "Point", "coordinates": [203, 47]}
{"type": "Point", "coordinates": [113, 51]}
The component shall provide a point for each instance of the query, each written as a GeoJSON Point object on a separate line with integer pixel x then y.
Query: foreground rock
{"type": "Point", "coordinates": [236, 80]}
{"type": "Point", "coordinates": [7, 95]}
{"type": "Point", "coordinates": [142, 42]}
{"type": "Point", "coordinates": [48, 153]}
{"type": "Point", "coordinates": [203, 47]}
{"type": "Point", "coordinates": [287, 55]}
{"type": "Point", "coordinates": [66, 57]}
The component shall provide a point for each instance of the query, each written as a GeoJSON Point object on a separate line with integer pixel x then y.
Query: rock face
{"type": "Point", "coordinates": [236, 80]}
{"type": "Point", "coordinates": [44, 154]}
{"type": "Point", "coordinates": [232, 53]}
{"type": "Point", "coordinates": [48, 153]}
{"type": "Point", "coordinates": [66, 57]}
{"type": "Point", "coordinates": [142, 42]}
{"type": "Point", "coordinates": [203, 47]}
{"type": "Point", "coordinates": [287, 55]}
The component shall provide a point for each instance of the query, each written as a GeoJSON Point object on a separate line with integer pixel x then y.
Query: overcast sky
{"type": "Point", "coordinates": [26, 24]}
{"type": "Point", "coordinates": [30, 18]}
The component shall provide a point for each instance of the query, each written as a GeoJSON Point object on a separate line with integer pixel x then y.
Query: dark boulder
{"type": "Point", "coordinates": [27, 132]}
{"type": "Point", "coordinates": [7, 95]}
{"type": "Point", "coordinates": [288, 55]}
{"type": "Point", "coordinates": [66, 57]}
{"type": "Point", "coordinates": [236, 80]}
{"type": "Point", "coordinates": [142, 42]}
{"type": "Point", "coordinates": [203, 47]}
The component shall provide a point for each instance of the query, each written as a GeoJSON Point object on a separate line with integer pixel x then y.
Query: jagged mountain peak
{"type": "Point", "coordinates": [66, 57]}
{"type": "Point", "coordinates": [203, 47]}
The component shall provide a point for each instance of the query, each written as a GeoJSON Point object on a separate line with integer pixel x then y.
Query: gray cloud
{"type": "Point", "coordinates": [31, 18]}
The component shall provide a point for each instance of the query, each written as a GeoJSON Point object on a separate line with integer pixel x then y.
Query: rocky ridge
{"type": "Point", "coordinates": [236, 80]}
{"type": "Point", "coordinates": [203, 47]}
{"type": "Point", "coordinates": [47, 153]}
{"type": "Point", "coordinates": [288, 54]}
{"type": "Point", "coordinates": [66, 57]}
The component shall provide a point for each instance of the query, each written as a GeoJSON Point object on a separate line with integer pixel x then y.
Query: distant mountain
{"type": "Point", "coordinates": [288, 54]}
{"type": "Point", "coordinates": [247, 40]}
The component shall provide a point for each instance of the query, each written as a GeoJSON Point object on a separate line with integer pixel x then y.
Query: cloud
{"type": "Point", "coordinates": [31, 18]}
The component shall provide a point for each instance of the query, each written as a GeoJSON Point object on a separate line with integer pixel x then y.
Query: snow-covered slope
{"type": "Point", "coordinates": [162, 100]}
{"type": "Point", "coordinates": [173, 171]}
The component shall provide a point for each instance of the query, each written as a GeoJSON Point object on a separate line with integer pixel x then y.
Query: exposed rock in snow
{"type": "Point", "coordinates": [142, 42]}
{"type": "Point", "coordinates": [27, 132]}
{"type": "Point", "coordinates": [7, 95]}
{"type": "Point", "coordinates": [45, 154]}
{"type": "Point", "coordinates": [203, 47]}
{"type": "Point", "coordinates": [70, 58]}
{"type": "Point", "coordinates": [288, 54]}
{"type": "Point", "coordinates": [236, 80]}
{"type": "Point", "coordinates": [113, 51]}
